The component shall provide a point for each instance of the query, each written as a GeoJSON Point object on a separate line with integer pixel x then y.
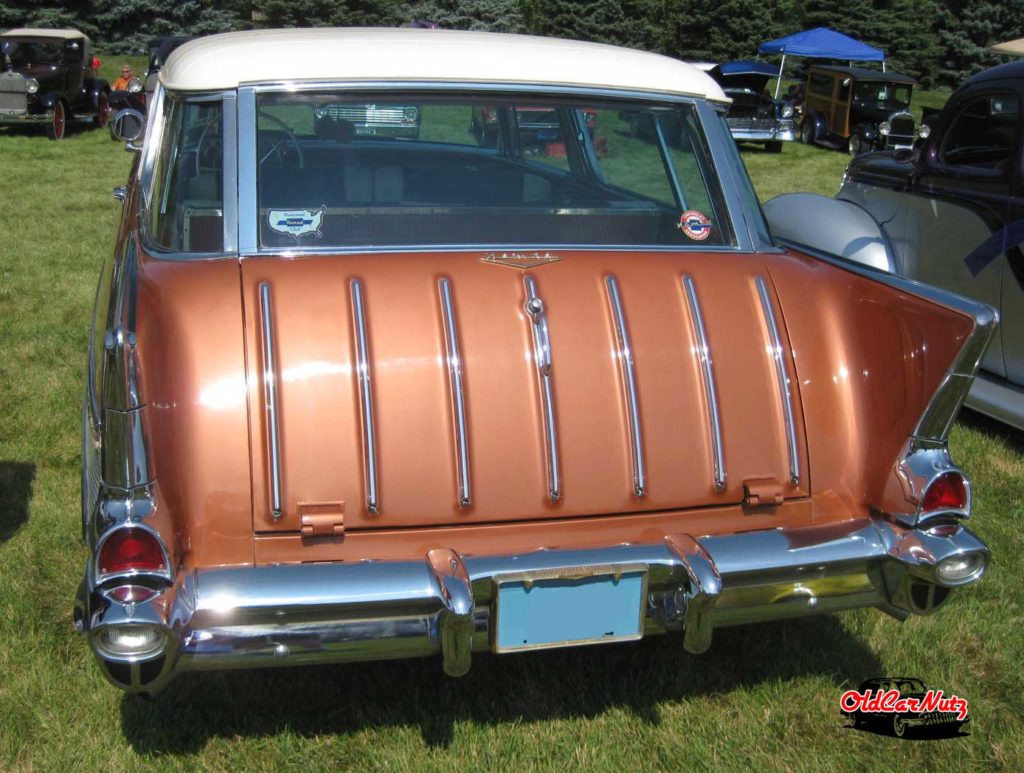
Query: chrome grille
{"type": "Point", "coordinates": [902, 128]}
{"type": "Point", "coordinates": [366, 115]}
{"type": "Point", "coordinates": [13, 102]}
{"type": "Point", "coordinates": [13, 98]}
{"type": "Point", "coordinates": [759, 124]}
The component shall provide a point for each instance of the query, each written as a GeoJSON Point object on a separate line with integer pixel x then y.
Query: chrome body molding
{"type": "Point", "coordinates": [997, 398]}
{"type": "Point", "coordinates": [627, 368]}
{"type": "Point", "coordinates": [785, 390]}
{"type": "Point", "coordinates": [453, 357]}
{"type": "Point", "coordinates": [703, 351]}
{"type": "Point", "coordinates": [288, 614]}
{"type": "Point", "coordinates": [270, 399]}
{"type": "Point", "coordinates": [934, 424]}
{"type": "Point", "coordinates": [537, 317]}
{"type": "Point", "coordinates": [365, 378]}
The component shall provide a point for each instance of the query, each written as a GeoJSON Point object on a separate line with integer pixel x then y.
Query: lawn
{"type": "Point", "coordinates": [764, 697]}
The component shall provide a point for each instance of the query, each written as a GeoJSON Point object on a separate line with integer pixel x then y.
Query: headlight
{"type": "Point", "coordinates": [923, 131]}
{"type": "Point", "coordinates": [884, 128]}
{"type": "Point", "coordinates": [787, 111]}
{"type": "Point", "coordinates": [411, 113]}
{"type": "Point", "coordinates": [31, 85]}
{"type": "Point", "coordinates": [135, 86]}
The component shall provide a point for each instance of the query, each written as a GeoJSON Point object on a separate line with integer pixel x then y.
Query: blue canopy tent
{"type": "Point", "coordinates": [823, 43]}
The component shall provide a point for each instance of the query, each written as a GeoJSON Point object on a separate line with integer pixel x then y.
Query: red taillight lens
{"type": "Point", "coordinates": [131, 549]}
{"type": "Point", "coordinates": [946, 492]}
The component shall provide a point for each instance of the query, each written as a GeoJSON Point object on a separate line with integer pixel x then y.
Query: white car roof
{"type": "Point", "coordinates": [29, 32]}
{"type": "Point", "coordinates": [401, 54]}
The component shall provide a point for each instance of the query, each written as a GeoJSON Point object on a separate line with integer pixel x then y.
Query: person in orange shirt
{"type": "Point", "coordinates": [121, 84]}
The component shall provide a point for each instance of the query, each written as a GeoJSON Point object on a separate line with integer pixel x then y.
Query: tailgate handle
{"type": "Point", "coordinates": [761, 492]}
{"type": "Point", "coordinates": [322, 519]}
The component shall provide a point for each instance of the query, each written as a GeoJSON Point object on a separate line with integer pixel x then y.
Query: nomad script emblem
{"type": "Point", "coordinates": [520, 259]}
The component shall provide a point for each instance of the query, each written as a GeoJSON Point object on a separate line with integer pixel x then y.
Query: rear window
{"type": "Point", "coordinates": [344, 170]}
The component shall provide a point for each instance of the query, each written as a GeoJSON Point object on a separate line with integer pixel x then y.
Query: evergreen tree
{"type": "Point", "coordinates": [486, 15]}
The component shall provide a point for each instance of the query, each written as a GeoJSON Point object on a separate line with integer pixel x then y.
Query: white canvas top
{"type": "Point", "coordinates": [368, 54]}
{"type": "Point", "coordinates": [29, 32]}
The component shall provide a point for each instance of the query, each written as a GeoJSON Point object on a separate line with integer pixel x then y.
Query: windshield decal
{"type": "Point", "coordinates": [297, 222]}
{"type": "Point", "coordinates": [695, 225]}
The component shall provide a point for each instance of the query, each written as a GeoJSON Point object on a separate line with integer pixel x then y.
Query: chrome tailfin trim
{"type": "Point", "coordinates": [453, 357]}
{"type": "Point", "coordinates": [534, 308]}
{"type": "Point", "coordinates": [270, 398]}
{"type": "Point", "coordinates": [785, 392]}
{"type": "Point", "coordinates": [703, 351]}
{"type": "Point", "coordinates": [627, 368]}
{"type": "Point", "coordinates": [365, 397]}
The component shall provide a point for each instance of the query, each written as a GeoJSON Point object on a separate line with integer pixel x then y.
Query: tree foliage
{"type": "Point", "coordinates": [941, 42]}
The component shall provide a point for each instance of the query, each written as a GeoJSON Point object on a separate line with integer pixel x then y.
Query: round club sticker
{"type": "Point", "coordinates": [695, 225]}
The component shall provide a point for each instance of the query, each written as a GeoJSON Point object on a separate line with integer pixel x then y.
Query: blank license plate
{"type": "Point", "coordinates": [566, 607]}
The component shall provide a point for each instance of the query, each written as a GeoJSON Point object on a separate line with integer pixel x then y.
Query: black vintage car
{"type": "Point", "coordinates": [901, 722]}
{"type": "Point", "coordinates": [952, 210]}
{"type": "Point", "coordinates": [857, 109]}
{"type": "Point", "coordinates": [49, 78]}
{"type": "Point", "coordinates": [754, 115]}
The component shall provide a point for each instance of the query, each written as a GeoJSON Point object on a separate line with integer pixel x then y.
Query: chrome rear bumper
{"type": "Point", "coordinates": [248, 617]}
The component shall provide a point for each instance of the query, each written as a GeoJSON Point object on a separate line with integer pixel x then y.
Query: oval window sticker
{"type": "Point", "coordinates": [695, 225]}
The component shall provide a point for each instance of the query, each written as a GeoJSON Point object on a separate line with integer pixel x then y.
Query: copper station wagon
{"type": "Point", "coordinates": [354, 396]}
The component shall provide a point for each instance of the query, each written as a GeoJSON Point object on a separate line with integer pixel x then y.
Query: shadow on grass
{"type": "Point", "coordinates": [1009, 436]}
{"type": "Point", "coordinates": [499, 688]}
{"type": "Point", "coordinates": [925, 733]}
{"type": "Point", "coordinates": [15, 493]}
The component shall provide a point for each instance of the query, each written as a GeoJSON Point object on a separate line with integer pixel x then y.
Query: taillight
{"type": "Point", "coordinates": [131, 549]}
{"type": "Point", "coordinates": [946, 492]}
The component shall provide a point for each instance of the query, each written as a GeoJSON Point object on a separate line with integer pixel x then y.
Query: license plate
{"type": "Point", "coordinates": [568, 607]}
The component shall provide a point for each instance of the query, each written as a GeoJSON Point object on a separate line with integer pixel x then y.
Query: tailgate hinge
{"type": "Point", "coordinates": [762, 492]}
{"type": "Point", "coordinates": [322, 519]}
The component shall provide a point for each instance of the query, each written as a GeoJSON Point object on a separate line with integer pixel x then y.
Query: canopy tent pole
{"type": "Point", "coordinates": [782, 68]}
{"type": "Point", "coordinates": [883, 65]}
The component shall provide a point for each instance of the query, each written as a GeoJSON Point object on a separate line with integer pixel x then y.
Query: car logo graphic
{"type": "Point", "coordinates": [520, 260]}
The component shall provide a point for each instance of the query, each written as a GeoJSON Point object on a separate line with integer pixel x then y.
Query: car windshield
{"type": "Point", "coordinates": [29, 52]}
{"type": "Point", "coordinates": [342, 170]}
{"type": "Point", "coordinates": [880, 91]}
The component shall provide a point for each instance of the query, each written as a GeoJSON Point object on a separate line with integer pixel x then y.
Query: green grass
{"type": "Point", "coordinates": [763, 697]}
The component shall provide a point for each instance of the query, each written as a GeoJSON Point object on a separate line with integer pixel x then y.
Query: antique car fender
{"type": "Point", "coordinates": [818, 125]}
{"type": "Point", "coordinates": [91, 91]}
{"type": "Point", "coordinates": [50, 99]}
{"type": "Point", "coordinates": [832, 226]}
{"type": "Point", "coordinates": [868, 131]}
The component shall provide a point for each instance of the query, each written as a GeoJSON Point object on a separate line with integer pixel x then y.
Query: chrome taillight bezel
{"type": "Point", "coordinates": [106, 578]}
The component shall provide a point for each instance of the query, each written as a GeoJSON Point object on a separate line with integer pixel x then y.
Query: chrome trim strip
{"type": "Point", "coordinates": [938, 417]}
{"type": "Point", "coordinates": [627, 369]}
{"type": "Point", "coordinates": [535, 313]}
{"type": "Point", "coordinates": [462, 85]}
{"type": "Point", "coordinates": [248, 208]}
{"type": "Point", "coordinates": [479, 247]}
{"type": "Point", "coordinates": [741, 203]}
{"type": "Point", "coordinates": [785, 393]}
{"type": "Point", "coordinates": [229, 115]}
{"type": "Point", "coordinates": [270, 396]}
{"type": "Point", "coordinates": [703, 352]}
{"type": "Point", "coordinates": [453, 357]}
{"type": "Point", "coordinates": [365, 397]}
